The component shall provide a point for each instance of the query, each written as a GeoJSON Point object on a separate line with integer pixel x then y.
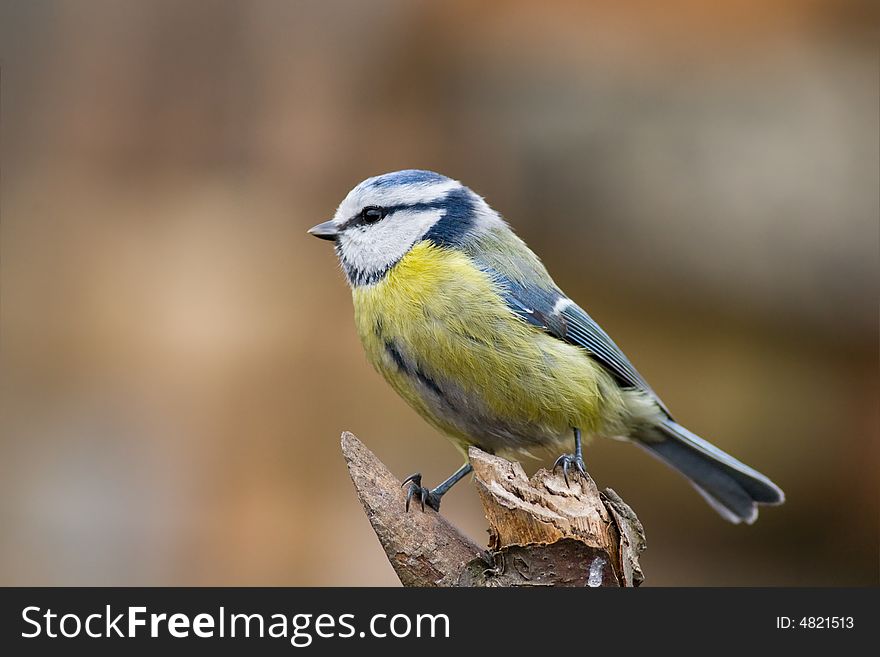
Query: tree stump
{"type": "Point", "coordinates": [542, 532]}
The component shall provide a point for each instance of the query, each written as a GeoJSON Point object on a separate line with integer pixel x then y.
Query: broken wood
{"type": "Point", "coordinates": [542, 532]}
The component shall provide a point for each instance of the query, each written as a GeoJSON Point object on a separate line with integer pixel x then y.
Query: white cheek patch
{"type": "Point", "coordinates": [374, 248]}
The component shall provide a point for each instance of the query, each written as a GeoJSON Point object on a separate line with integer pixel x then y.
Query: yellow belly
{"type": "Point", "coordinates": [436, 328]}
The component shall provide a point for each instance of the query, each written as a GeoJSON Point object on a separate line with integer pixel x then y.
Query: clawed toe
{"type": "Point", "coordinates": [567, 461]}
{"type": "Point", "coordinates": [424, 495]}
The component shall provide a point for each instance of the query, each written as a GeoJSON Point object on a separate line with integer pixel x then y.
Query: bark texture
{"type": "Point", "coordinates": [542, 531]}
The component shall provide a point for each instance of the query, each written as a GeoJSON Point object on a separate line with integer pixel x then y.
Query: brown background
{"type": "Point", "coordinates": [178, 359]}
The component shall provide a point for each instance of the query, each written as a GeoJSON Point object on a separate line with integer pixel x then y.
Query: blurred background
{"type": "Point", "coordinates": [178, 358]}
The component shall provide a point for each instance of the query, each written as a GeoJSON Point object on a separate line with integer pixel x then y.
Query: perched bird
{"type": "Point", "coordinates": [465, 323]}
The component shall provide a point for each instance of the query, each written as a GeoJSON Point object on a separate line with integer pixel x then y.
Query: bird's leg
{"type": "Point", "coordinates": [569, 460]}
{"type": "Point", "coordinates": [432, 496]}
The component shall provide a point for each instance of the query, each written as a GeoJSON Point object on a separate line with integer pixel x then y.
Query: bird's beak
{"type": "Point", "coordinates": [325, 231]}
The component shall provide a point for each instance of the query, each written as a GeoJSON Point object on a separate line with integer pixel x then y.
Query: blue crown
{"type": "Point", "coordinates": [405, 177]}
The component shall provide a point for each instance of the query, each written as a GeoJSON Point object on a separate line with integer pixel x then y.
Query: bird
{"type": "Point", "coordinates": [466, 324]}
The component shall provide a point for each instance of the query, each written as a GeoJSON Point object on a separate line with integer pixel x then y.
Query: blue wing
{"type": "Point", "coordinates": [553, 312]}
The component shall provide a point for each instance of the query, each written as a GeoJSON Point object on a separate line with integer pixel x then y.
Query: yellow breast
{"type": "Point", "coordinates": [437, 329]}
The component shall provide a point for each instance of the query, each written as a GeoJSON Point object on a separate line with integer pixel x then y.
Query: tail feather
{"type": "Point", "coordinates": [732, 488]}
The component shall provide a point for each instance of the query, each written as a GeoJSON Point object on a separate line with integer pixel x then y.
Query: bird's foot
{"type": "Point", "coordinates": [422, 494]}
{"type": "Point", "coordinates": [569, 461]}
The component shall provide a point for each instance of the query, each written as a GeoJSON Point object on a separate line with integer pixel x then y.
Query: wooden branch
{"type": "Point", "coordinates": [541, 531]}
{"type": "Point", "coordinates": [423, 547]}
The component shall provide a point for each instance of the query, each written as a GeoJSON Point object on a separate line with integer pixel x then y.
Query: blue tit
{"type": "Point", "coordinates": [465, 323]}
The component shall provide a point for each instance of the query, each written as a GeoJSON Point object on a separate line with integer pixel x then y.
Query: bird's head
{"type": "Point", "coordinates": [383, 217]}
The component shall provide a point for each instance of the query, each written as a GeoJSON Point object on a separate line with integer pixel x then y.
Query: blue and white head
{"type": "Point", "coordinates": [384, 217]}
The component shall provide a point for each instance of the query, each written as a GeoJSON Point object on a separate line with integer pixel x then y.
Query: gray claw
{"type": "Point", "coordinates": [566, 461]}
{"type": "Point", "coordinates": [426, 496]}
{"type": "Point", "coordinates": [415, 483]}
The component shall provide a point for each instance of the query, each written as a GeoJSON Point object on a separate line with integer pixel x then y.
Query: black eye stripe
{"type": "Point", "coordinates": [358, 219]}
{"type": "Point", "coordinates": [371, 214]}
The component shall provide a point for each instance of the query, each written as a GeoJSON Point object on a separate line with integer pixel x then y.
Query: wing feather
{"type": "Point", "coordinates": [531, 293]}
{"type": "Point", "coordinates": [556, 314]}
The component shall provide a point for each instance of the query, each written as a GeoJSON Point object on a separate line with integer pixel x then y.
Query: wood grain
{"type": "Point", "coordinates": [542, 531]}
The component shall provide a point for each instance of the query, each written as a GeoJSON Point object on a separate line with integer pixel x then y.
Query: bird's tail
{"type": "Point", "coordinates": [732, 488]}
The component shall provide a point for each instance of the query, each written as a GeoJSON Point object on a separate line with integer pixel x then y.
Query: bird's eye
{"type": "Point", "coordinates": [372, 214]}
